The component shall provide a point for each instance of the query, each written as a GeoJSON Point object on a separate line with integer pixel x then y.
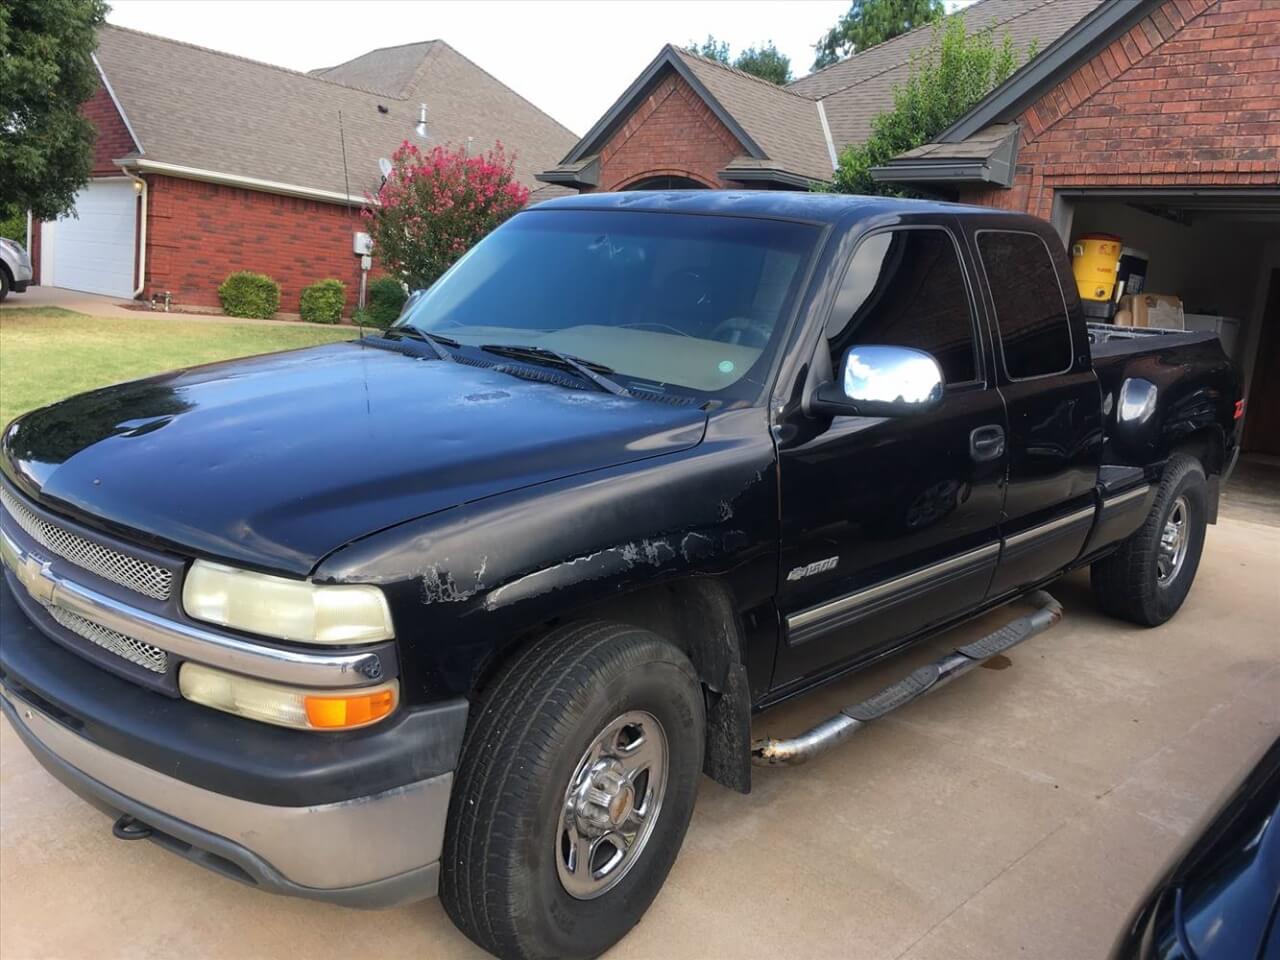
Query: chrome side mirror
{"type": "Point", "coordinates": [881, 381]}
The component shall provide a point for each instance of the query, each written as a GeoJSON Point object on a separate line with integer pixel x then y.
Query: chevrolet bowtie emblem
{"type": "Point", "coordinates": [33, 573]}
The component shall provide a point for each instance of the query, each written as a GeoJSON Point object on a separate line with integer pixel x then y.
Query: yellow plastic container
{"type": "Point", "coordinates": [1094, 258]}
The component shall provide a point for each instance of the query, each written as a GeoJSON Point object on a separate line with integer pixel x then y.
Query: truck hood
{"type": "Point", "coordinates": [275, 461]}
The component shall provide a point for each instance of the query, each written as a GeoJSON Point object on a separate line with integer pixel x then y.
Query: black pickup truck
{"type": "Point", "coordinates": [466, 607]}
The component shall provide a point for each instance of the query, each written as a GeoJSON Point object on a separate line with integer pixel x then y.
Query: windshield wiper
{"type": "Point", "coordinates": [436, 342]}
{"type": "Point", "coordinates": [595, 372]}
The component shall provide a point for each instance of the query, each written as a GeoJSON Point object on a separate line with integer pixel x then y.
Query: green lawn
{"type": "Point", "coordinates": [47, 353]}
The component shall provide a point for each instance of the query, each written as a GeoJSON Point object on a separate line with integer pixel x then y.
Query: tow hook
{"type": "Point", "coordinates": [794, 750]}
{"type": "Point", "coordinates": [127, 828]}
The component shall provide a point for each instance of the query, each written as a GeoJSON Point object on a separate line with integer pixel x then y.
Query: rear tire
{"type": "Point", "coordinates": [1146, 580]}
{"type": "Point", "coordinates": [4, 284]}
{"type": "Point", "coordinates": [544, 771]}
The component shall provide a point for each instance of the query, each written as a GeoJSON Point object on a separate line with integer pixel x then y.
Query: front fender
{"type": "Point", "coordinates": [467, 583]}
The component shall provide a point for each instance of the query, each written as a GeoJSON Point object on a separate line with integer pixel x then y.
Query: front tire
{"type": "Point", "coordinates": [574, 792]}
{"type": "Point", "coordinates": [1147, 579]}
{"type": "Point", "coordinates": [4, 284]}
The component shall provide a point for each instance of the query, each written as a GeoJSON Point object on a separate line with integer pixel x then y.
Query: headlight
{"type": "Point", "coordinates": [286, 706]}
{"type": "Point", "coordinates": [288, 609]}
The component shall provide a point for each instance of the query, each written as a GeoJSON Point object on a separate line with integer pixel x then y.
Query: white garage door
{"type": "Point", "coordinates": [93, 252]}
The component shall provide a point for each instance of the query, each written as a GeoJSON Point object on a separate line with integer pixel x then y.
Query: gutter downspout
{"type": "Point", "coordinates": [142, 234]}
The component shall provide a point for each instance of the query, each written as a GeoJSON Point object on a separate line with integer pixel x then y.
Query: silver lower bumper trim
{"type": "Point", "coordinates": [334, 846]}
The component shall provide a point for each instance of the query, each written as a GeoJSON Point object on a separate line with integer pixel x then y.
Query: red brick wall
{"type": "Point", "coordinates": [671, 133]}
{"type": "Point", "coordinates": [1189, 96]}
{"type": "Point", "coordinates": [114, 140]}
{"type": "Point", "coordinates": [197, 233]}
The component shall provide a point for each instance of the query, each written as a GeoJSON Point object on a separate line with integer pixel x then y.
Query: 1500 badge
{"type": "Point", "coordinates": [818, 566]}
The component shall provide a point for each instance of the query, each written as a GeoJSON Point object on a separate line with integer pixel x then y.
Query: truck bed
{"type": "Point", "coordinates": [1107, 340]}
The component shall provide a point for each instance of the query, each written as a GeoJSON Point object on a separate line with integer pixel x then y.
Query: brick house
{"type": "Point", "coordinates": [1154, 120]}
{"type": "Point", "coordinates": [206, 163]}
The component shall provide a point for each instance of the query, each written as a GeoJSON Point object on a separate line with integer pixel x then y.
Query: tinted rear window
{"type": "Point", "coordinates": [1034, 334]}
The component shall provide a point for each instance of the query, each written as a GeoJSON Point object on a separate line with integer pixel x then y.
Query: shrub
{"type": "Point", "coordinates": [957, 71]}
{"type": "Point", "coordinates": [434, 206]}
{"type": "Point", "coordinates": [248, 294]}
{"type": "Point", "coordinates": [383, 300]}
{"type": "Point", "coordinates": [322, 302]}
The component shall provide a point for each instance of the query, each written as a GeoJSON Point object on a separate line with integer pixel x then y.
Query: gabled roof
{"type": "Point", "coordinates": [855, 91]}
{"type": "Point", "coordinates": [389, 70]}
{"type": "Point", "coordinates": [780, 128]}
{"type": "Point", "coordinates": [206, 111]}
{"type": "Point", "coordinates": [792, 134]}
{"type": "Point", "coordinates": [785, 125]}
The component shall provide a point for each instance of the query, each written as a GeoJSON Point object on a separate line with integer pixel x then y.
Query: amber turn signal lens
{"type": "Point", "coordinates": [354, 710]}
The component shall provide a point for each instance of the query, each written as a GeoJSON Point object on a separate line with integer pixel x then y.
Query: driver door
{"type": "Point", "coordinates": [890, 525]}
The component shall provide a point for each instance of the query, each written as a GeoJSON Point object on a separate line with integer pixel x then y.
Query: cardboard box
{"type": "Point", "coordinates": [1150, 310]}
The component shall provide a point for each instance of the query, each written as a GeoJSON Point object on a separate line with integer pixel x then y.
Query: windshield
{"type": "Point", "coordinates": [691, 303]}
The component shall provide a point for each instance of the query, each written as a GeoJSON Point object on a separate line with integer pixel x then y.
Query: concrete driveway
{"type": "Point", "coordinates": [1018, 812]}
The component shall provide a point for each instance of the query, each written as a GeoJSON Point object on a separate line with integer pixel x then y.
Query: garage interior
{"type": "Point", "coordinates": [1219, 252]}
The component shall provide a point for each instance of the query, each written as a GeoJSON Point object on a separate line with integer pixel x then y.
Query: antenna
{"type": "Point", "coordinates": [346, 184]}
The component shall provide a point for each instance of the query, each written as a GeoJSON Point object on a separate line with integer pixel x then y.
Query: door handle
{"type": "Point", "coordinates": [986, 443]}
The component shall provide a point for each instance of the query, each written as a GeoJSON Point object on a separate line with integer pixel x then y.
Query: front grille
{"type": "Point", "coordinates": [131, 649]}
{"type": "Point", "coordinates": [130, 572]}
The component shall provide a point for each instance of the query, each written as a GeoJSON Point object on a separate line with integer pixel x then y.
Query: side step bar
{"type": "Point", "coordinates": [794, 750]}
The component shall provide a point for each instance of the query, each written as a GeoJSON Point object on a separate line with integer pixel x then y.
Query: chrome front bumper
{"type": "Point", "coordinates": [373, 851]}
{"type": "Point", "coordinates": [355, 818]}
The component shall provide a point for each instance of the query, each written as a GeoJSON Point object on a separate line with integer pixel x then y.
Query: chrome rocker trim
{"type": "Point", "coordinates": [183, 640]}
{"type": "Point", "coordinates": [851, 601]}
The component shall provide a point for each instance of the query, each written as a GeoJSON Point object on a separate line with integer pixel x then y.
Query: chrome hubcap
{"type": "Point", "coordinates": [1173, 543]}
{"type": "Point", "coordinates": [611, 805]}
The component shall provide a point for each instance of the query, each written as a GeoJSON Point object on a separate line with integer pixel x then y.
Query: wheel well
{"type": "Point", "coordinates": [7, 272]}
{"type": "Point", "coordinates": [698, 616]}
{"type": "Point", "coordinates": [1207, 445]}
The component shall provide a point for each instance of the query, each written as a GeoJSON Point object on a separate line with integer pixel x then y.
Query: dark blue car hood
{"type": "Point", "coordinates": [276, 461]}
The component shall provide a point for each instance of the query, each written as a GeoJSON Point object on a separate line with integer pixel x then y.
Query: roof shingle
{"type": "Point", "coordinates": [855, 91]}
{"type": "Point", "coordinates": [214, 111]}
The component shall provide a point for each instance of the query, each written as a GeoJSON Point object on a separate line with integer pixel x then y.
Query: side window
{"type": "Point", "coordinates": [1035, 336]}
{"type": "Point", "coordinates": [906, 288]}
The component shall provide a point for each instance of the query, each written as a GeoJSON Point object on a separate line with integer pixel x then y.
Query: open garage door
{"type": "Point", "coordinates": [1218, 250]}
{"type": "Point", "coordinates": [93, 251]}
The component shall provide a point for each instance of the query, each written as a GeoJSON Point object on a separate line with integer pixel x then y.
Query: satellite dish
{"type": "Point", "coordinates": [385, 166]}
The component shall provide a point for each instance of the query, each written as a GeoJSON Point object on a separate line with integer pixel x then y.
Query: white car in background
{"type": "Point", "coordinates": [15, 267]}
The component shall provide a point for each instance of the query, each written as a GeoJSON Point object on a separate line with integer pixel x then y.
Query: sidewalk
{"type": "Point", "coordinates": [100, 306]}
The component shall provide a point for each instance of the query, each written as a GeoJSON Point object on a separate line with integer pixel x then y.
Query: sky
{"type": "Point", "coordinates": [572, 58]}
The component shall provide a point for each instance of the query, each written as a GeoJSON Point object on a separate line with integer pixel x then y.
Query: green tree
{"type": "Point", "coordinates": [766, 61]}
{"type": "Point", "coordinates": [46, 72]}
{"type": "Point", "coordinates": [711, 48]}
{"type": "Point", "coordinates": [869, 22]}
{"type": "Point", "coordinates": [958, 70]}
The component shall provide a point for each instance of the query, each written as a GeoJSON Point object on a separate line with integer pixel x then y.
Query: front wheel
{"type": "Point", "coordinates": [574, 792]}
{"type": "Point", "coordinates": [1146, 580]}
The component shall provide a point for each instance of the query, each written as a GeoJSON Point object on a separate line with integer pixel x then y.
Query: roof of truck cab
{"type": "Point", "coordinates": [781, 204]}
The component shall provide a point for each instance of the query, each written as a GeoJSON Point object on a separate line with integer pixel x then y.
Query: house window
{"type": "Point", "coordinates": [666, 183]}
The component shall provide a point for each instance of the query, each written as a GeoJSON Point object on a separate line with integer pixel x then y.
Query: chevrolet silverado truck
{"type": "Point", "coordinates": [466, 607]}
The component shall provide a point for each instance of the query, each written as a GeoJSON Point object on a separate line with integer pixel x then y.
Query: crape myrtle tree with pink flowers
{"type": "Point", "coordinates": [435, 205]}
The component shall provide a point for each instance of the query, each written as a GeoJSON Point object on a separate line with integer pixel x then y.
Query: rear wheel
{"type": "Point", "coordinates": [574, 792]}
{"type": "Point", "coordinates": [4, 283]}
{"type": "Point", "coordinates": [1146, 580]}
